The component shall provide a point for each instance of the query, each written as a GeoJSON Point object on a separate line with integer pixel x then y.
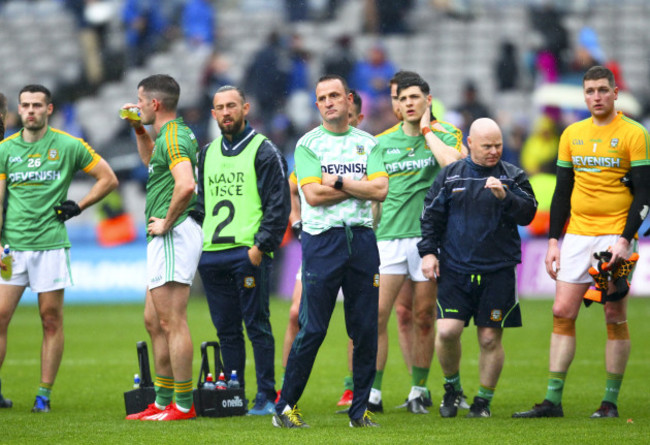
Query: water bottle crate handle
{"type": "Point", "coordinates": [205, 363]}
{"type": "Point", "coordinates": [143, 364]}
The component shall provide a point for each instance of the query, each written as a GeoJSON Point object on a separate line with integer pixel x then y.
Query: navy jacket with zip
{"type": "Point", "coordinates": [466, 226]}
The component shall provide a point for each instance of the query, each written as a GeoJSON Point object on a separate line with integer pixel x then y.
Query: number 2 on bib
{"type": "Point", "coordinates": [216, 239]}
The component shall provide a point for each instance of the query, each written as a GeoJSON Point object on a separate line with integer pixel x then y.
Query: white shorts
{"type": "Point", "coordinates": [175, 255]}
{"type": "Point", "coordinates": [577, 255]}
{"type": "Point", "coordinates": [401, 257]}
{"type": "Point", "coordinates": [41, 270]}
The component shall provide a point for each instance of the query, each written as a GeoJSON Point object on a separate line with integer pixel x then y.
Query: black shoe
{"type": "Point", "coordinates": [544, 409]}
{"type": "Point", "coordinates": [364, 421]}
{"type": "Point", "coordinates": [480, 408]}
{"type": "Point", "coordinates": [290, 418]}
{"type": "Point", "coordinates": [607, 409]}
{"type": "Point", "coordinates": [450, 401]}
{"type": "Point", "coordinates": [375, 407]}
{"type": "Point", "coordinates": [417, 406]}
{"type": "Point", "coordinates": [5, 403]}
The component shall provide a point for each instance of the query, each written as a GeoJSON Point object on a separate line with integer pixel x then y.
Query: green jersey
{"type": "Point", "coordinates": [175, 143]}
{"type": "Point", "coordinates": [411, 169]}
{"type": "Point", "coordinates": [38, 175]}
{"type": "Point", "coordinates": [351, 154]}
{"type": "Point", "coordinates": [231, 197]}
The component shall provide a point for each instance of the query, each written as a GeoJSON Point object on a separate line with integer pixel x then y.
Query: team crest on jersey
{"type": "Point", "coordinates": [375, 280]}
{"type": "Point", "coordinates": [496, 315]}
{"type": "Point", "coordinates": [53, 154]}
{"type": "Point", "coordinates": [249, 282]}
{"type": "Point", "coordinates": [613, 143]}
{"type": "Point", "coordinates": [361, 149]}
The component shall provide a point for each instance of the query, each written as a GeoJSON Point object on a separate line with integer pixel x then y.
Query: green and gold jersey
{"type": "Point", "coordinates": [175, 143]}
{"type": "Point", "coordinates": [37, 177]}
{"type": "Point", "coordinates": [411, 169]}
{"type": "Point", "coordinates": [352, 155]}
{"type": "Point", "coordinates": [600, 156]}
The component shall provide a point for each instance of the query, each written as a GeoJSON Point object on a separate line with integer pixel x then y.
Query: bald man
{"type": "Point", "coordinates": [471, 247]}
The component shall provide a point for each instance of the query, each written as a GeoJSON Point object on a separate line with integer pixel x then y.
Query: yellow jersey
{"type": "Point", "coordinates": [600, 156]}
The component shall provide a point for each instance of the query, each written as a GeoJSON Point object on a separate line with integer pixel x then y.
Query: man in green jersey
{"type": "Point", "coordinates": [339, 173]}
{"type": "Point", "coordinates": [413, 156]}
{"type": "Point", "coordinates": [173, 244]}
{"type": "Point", "coordinates": [244, 195]}
{"type": "Point", "coordinates": [36, 168]}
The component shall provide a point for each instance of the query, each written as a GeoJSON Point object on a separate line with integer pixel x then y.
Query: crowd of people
{"type": "Point", "coordinates": [412, 219]}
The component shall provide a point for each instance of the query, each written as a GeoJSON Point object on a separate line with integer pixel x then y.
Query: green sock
{"type": "Point", "coordinates": [454, 379]}
{"type": "Point", "coordinates": [284, 369]}
{"type": "Point", "coordinates": [44, 390]}
{"type": "Point", "coordinates": [164, 387]}
{"type": "Point", "coordinates": [612, 386]}
{"type": "Point", "coordinates": [379, 375]}
{"type": "Point", "coordinates": [486, 393]}
{"type": "Point", "coordinates": [348, 382]}
{"type": "Point", "coordinates": [420, 376]}
{"type": "Point", "coordinates": [555, 387]}
{"type": "Point", "coordinates": [184, 394]}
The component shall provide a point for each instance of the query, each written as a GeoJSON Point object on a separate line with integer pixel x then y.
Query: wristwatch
{"type": "Point", "coordinates": [338, 185]}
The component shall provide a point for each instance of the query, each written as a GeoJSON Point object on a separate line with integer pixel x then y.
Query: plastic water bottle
{"type": "Point", "coordinates": [221, 382]}
{"type": "Point", "coordinates": [7, 261]}
{"type": "Point", "coordinates": [132, 113]}
{"type": "Point", "coordinates": [234, 381]}
{"type": "Point", "coordinates": [136, 381]}
{"type": "Point", "coordinates": [209, 382]}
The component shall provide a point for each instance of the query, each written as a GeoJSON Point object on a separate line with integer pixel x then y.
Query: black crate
{"type": "Point", "coordinates": [138, 399]}
{"type": "Point", "coordinates": [219, 403]}
{"type": "Point", "coordinates": [216, 402]}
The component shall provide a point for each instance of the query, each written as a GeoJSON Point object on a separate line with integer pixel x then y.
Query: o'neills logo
{"type": "Point", "coordinates": [235, 402]}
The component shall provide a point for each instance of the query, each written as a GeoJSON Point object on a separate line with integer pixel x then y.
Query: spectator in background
{"type": "Point", "coordinates": [296, 10]}
{"type": "Point", "coordinates": [267, 77]}
{"type": "Point", "coordinates": [588, 52]}
{"type": "Point", "coordinates": [541, 146]}
{"type": "Point", "coordinates": [507, 67]}
{"type": "Point", "coordinates": [471, 108]}
{"type": "Point", "coordinates": [391, 16]}
{"type": "Point", "coordinates": [543, 184]}
{"type": "Point", "coordinates": [198, 23]}
{"type": "Point", "coordinates": [298, 79]}
{"type": "Point", "coordinates": [340, 59]}
{"type": "Point", "coordinates": [547, 20]}
{"type": "Point", "coordinates": [371, 76]}
{"type": "Point", "coordinates": [3, 115]}
{"type": "Point", "coordinates": [145, 27]}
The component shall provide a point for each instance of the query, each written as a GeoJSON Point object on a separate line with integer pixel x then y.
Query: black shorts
{"type": "Point", "coordinates": [491, 298]}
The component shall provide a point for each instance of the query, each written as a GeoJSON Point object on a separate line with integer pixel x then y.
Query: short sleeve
{"type": "Point", "coordinates": [375, 167]}
{"type": "Point", "coordinates": [308, 166]}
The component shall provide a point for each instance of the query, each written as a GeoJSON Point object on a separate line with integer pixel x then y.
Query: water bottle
{"type": "Point", "coordinates": [221, 382]}
{"type": "Point", "coordinates": [233, 383]}
{"type": "Point", "coordinates": [209, 382]}
{"type": "Point", "coordinates": [7, 261]}
{"type": "Point", "coordinates": [132, 113]}
{"type": "Point", "coordinates": [136, 381]}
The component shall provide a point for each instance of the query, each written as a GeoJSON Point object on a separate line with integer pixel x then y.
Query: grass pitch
{"type": "Point", "coordinates": [100, 360]}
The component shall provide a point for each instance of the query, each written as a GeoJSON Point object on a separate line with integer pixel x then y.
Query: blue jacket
{"type": "Point", "coordinates": [466, 226]}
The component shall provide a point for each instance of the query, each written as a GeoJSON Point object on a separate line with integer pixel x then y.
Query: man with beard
{"type": "Point", "coordinates": [36, 168]}
{"type": "Point", "coordinates": [244, 195]}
